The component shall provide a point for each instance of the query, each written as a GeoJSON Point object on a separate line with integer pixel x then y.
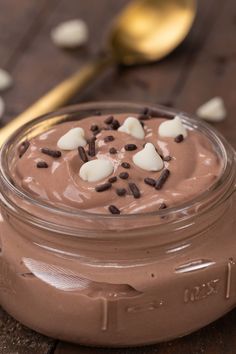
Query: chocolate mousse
{"type": "Point", "coordinates": [120, 164]}
{"type": "Point", "coordinates": [82, 258]}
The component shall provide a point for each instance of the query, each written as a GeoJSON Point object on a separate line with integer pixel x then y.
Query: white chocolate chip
{"type": "Point", "coordinates": [213, 110]}
{"type": "Point", "coordinates": [70, 34]}
{"type": "Point", "coordinates": [5, 80]}
{"type": "Point", "coordinates": [96, 170]}
{"type": "Point", "coordinates": [172, 128]}
{"type": "Point", "coordinates": [148, 159]}
{"type": "Point", "coordinates": [72, 139]}
{"type": "Point", "coordinates": [132, 126]}
{"type": "Point", "coordinates": [2, 107]}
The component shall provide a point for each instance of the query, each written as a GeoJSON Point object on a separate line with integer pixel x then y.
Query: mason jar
{"type": "Point", "coordinates": [117, 280]}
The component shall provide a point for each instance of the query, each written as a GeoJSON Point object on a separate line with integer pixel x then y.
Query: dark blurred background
{"type": "Point", "coordinates": [202, 67]}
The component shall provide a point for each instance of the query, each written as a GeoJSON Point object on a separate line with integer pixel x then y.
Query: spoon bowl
{"type": "Point", "coordinates": [148, 30]}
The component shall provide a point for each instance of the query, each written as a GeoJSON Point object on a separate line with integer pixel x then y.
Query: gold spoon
{"type": "Point", "coordinates": [145, 31]}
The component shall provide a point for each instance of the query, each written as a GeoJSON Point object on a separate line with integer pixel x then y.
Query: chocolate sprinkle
{"type": "Point", "coordinates": [125, 165]}
{"type": "Point", "coordinates": [162, 179]}
{"type": "Point", "coordinates": [179, 138]}
{"type": "Point", "coordinates": [109, 138]}
{"type": "Point", "coordinates": [154, 113]}
{"type": "Point", "coordinates": [94, 127]}
{"type": "Point", "coordinates": [124, 175]}
{"type": "Point", "coordinates": [150, 181]}
{"type": "Point", "coordinates": [134, 190]}
{"type": "Point", "coordinates": [143, 117]}
{"type": "Point", "coordinates": [160, 113]}
{"type": "Point", "coordinates": [23, 147]}
{"type": "Point", "coordinates": [109, 120]}
{"type": "Point", "coordinates": [52, 153]}
{"type": "Point", "coordinates": [113, 209]}
{"type": "Point", "coordinates": [115, 124]}
{"type": "Point", "coordinates": [103, 187]}
{"type": "Point", "coordinates": [82, 154]}
{"type": "Point", "coordinates": [112, 150]}
{"type": "Point", "coordinates": [162, 206]}
{"type": "Point", "coordinates": [42, 164]}
{"type": "Point", "coordinates": [96, 132]}
{"type": "Point", "coordinates": [91, 150]}
{"type": "Point", "coordinates": [130, 147]}
{"type": "Point", "coordinates": [167, 158]}
{"type": "Point", "coordinates": [145, 111]}
{"type": "Point", "coordinates": [112, 179]}
{"type": "Point", "coordinates": [121, 192]}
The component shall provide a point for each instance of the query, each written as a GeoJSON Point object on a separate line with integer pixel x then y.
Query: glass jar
{"type": "Point", "coordinates": [117, 280]}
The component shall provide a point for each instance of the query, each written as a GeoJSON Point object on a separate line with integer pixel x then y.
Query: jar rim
{"type": "Point", "coordinates": [225, 148]}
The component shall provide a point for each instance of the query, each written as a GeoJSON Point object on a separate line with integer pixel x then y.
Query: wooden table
{"type": "Point", "coordinates": [203, 67]}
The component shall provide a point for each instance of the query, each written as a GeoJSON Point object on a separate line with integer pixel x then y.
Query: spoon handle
{"type": "Point", "coordinates": [58, 96]}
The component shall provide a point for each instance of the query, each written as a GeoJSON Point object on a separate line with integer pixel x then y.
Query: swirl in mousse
{"type": "Point", "coordinates": [121, 164]}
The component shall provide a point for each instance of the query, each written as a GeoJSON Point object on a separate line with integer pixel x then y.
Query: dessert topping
{"type": "Point", "coordinates": [109, 138]}
{"type": "Point", "coordinates": [143, 117]}
{"type": "Point", "coordinates": [52, 153]}
{"type": "Point", "coordinates": [124, 175]}
{"type": "Point", "coordinates": [179, 138]}
{"type": "Point", "coordinates": [148, 158]}
{"type": "Point", "coordinates": [133, 127]}
{"type": "Point", "coordinates": [162, 179]}
{"type": "Point", "coordinates": [72, 139]}
{"type": "Point", "coordinates": [150, 181]}
{"type": "Point", "coordinates": [82, 154]}
{"type": "Point", "coordinates": [172, 128]}
{"type": "Point", "coordinates": [94, 127]}
{"type": "Point", "coordinates": [134, 190]}
{"type": "Point", "coordinates": [167, 158]}
{"type": "Point", "coordinates": [162, 206]}
{"type": "Point", "coordinates": [112, 151]}
{"type": "Point", "coordinates": [42, 164]}
{"type": "Point", "coordinates": [92, 147]}
{"type": "Point", "coordinates": [103, 187]}
{"type": "Point", "coordinates": [121, 192]}
{"type": "Point", "coordinates": [130, 147]}
{"type": "Point", "coordinates": [109, 120]}
{"type": "Point", "coordinates": [113, 209]}
{"type": "Point", "coordinates": [112, 179]}
{"type": "Point", "coordinates": [96, 170]}
{"type": "Point", "coordinates": [115, 124]}
{"type": "Point", "coordinates": [125, 165]}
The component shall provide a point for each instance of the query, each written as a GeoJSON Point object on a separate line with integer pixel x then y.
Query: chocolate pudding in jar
{"type": "Point", "coordinates": [117, 224]}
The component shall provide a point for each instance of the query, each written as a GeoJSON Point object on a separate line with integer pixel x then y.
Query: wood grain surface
{"type": "Point", "coordinates": [202, 67]}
